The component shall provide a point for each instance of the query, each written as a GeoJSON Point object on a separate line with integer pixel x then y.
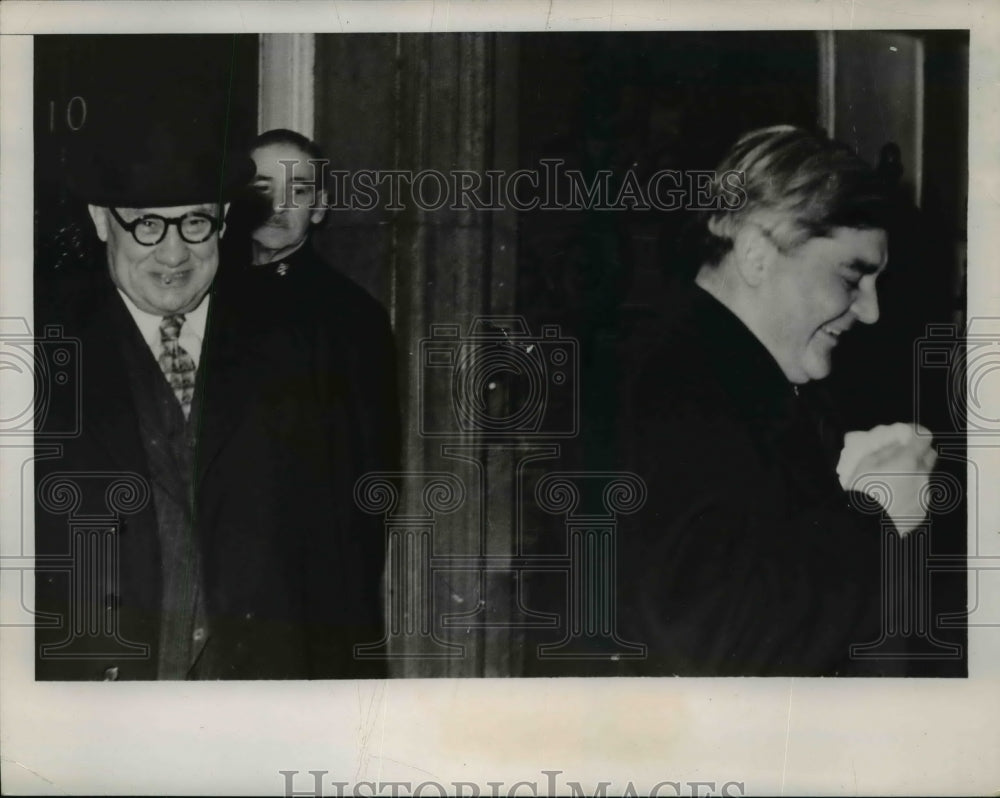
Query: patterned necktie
{"type": "Point", "coordinates": [177, 365]}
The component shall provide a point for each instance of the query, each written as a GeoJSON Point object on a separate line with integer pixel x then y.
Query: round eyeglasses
{"type": "Point", "coordinates": [150, 229]}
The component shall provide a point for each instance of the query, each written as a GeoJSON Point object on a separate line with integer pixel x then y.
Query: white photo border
{"type": "Point", "coordinates": [773, 736]}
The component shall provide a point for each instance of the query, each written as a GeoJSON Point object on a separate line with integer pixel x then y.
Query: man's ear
{"type": "Point", "coordinates": [319, 212]}
{"type": "Point", "coordinates": [225, 213]}
{"type": "Point", "coordinates": [99, 216]}
{"type": "Point", "coordinates": [753, 252]}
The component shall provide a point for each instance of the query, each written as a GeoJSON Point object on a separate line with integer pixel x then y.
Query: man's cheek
{"type": "Point", "coordinates": [819, 360]}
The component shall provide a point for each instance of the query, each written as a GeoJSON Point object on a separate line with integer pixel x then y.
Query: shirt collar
{"type": "Point", "coordinates": [149, 323]}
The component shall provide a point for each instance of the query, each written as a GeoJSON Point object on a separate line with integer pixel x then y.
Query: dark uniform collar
{"type": "Point", "coordinates": [292, 262]}
{"type": "Point", "coordinates": [744, 365]}
{"type": "Point", "coordinates": [758, 387]}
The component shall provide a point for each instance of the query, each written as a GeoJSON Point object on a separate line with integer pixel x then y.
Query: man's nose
{"type": "Point", "coordinates": [172, 250]}
{"type": "Point", "coordinates": [865, 305]}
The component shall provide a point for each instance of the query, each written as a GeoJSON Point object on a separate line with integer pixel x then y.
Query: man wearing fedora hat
{"type": "Point", "coordinates": [209, 445]}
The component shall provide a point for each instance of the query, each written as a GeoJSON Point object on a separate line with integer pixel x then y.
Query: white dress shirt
{"type": "Point", "coordinates": [192, 331]}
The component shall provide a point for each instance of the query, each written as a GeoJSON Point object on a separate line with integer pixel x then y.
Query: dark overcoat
{"type": "Point", "coordinates": [748, 557]}
{"type": "Point", "coordinates": [286, 424]}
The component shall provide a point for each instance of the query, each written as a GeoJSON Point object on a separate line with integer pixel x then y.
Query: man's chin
{"type": "Point", "coordinates": [272, 238]}
{"type": "Point", "coordinates": [818, 367]}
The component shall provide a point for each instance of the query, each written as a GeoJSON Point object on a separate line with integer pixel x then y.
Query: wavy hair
{"type": "Point", "coordinates": [796, 185]}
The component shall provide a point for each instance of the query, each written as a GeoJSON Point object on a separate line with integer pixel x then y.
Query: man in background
{"type": "Point", "coordinates": [288, 178]}
{"type": "Point", "coordinates": [287, 204]}
{"type": "Point", "coordinates": [349, 332]}
{"type": "Point", "coordinates": [753, 556]}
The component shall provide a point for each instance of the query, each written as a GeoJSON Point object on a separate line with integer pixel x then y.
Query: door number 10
{"type": "Point", "coordinates": [76, 114]}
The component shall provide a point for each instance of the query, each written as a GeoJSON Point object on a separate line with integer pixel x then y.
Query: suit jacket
{"type": "Point", "coordinates": [291, 576]}
{"type": "Point", "coordinates": [748, 557]}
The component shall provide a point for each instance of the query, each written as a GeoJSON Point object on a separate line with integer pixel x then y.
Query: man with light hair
{"type": "Point", "coordinates": [754, 554]}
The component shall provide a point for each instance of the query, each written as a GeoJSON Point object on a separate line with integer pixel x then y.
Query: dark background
{"type": "Point", "coordinates": [649, 101]}
{"type": "Point", "coordinates": [618, 101]}
{"type": "Point", "coordinates": [83, 84]}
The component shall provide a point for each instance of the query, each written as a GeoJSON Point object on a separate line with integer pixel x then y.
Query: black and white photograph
{"type": "Point", "coordinates": [591, 383]}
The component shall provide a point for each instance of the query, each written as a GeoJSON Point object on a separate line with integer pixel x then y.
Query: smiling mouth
{"type": "Point", "coordinates": [832, 332]}
{"type": "Point", "coordinates": [169, 278]}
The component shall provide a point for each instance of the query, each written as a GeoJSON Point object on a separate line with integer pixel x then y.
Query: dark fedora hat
{"type": "Point", "coordinates": [157, 165]}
